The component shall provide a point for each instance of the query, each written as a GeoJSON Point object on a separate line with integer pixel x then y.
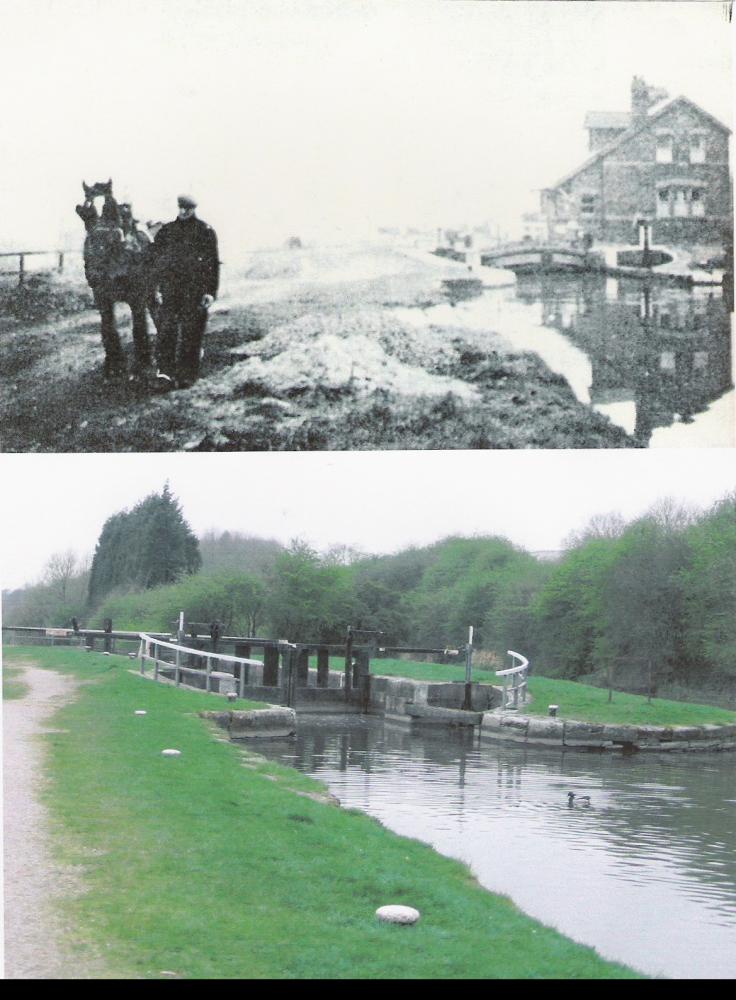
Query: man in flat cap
{"type": "Point", "coordinates": [186, 270]}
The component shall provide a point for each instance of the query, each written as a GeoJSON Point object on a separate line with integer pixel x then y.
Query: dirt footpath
{"type": "Point", "coordinates": [34, 932]}
{"type": "Point", "coordinates": [312, 350]}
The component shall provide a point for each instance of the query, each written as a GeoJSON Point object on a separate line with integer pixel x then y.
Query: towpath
{"type": "Point", "coordinates": [34, 883]}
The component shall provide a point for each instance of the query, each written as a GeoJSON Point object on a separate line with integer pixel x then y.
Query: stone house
{"type": "Point", "coordinates": [666, 162]}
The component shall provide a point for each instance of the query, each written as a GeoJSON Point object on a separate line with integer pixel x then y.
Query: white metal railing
{"type": "Point", "coordinates": [148, 643]}
{"type": "Point", "coordinates": [519, 675]}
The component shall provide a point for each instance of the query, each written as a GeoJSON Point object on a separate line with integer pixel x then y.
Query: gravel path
{"type": "Point", "coordinates": [34, 932]}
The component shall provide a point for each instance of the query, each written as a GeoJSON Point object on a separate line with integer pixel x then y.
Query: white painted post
{"type": "Point", "coordinates": [177, 670]}
{"type": "Point", "coordinates": [155, 661]}
{"type": "Point", "coordinates": [241, 683]}
{"type": "Point", "coordinates": [467, 702]}
{"type": "Point", "coordinates": [209, 670]}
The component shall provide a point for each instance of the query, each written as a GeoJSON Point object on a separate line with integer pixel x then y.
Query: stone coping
{"type": "Point", "coordinates": [573, 734]}
{"type": "Point", "coordinates": [274, 720]}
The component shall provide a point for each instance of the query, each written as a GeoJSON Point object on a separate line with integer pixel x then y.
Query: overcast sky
{"type": "Point", "coordinates": [326, 118]}
{"type": "Point", "coordinates": [376, 501]}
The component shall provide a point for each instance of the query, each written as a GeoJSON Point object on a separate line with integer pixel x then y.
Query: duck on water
{"type": "Point", "coordinates": [583, 800]}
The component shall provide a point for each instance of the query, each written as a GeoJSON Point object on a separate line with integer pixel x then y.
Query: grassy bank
{"type": "Point", "coordinates": [200, 867]}
{"type": "Point", "coordinates": [325, 349]}
{"type": "Point", "coordinates": [590, 704]}
{"type": "Point", "coordinates": [13, 687]}
{"type": "Point", "coordinates": [579, 701]}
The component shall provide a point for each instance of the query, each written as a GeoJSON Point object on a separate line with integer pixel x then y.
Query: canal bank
{"type": "Point", "coordinates": [207, 865]}
{"type": "Point", "coordinates": [646, 873]}
{"type": "Point", "coordinates": [307, 350]}
{"type": "Point", "coordinates": [480, 706]}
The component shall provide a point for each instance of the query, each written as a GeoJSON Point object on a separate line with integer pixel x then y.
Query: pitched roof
{"type": "Point", "coordinates": [607, 119]}
{"type": "Point", "coordinates": [658, 111]}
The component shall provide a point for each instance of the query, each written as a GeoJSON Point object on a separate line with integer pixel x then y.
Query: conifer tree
{"type": "Point", "coordinates": [150, 545]}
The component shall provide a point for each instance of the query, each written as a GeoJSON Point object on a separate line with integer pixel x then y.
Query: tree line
{"type": "Point", "coordinates": [645, 604]}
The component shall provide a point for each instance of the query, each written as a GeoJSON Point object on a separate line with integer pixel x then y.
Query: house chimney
{"type": "Point", "coordinates": [643, 97]}
{"type": "Point", "coordinates": [639, 99]}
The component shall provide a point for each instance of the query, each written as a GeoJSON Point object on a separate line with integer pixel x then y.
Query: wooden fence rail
{"type": "Point", "coordinates": [60, 256]}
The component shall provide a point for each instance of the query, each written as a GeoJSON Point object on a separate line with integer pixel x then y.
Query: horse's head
{"type": "Point", "coordinates": [99, 189]}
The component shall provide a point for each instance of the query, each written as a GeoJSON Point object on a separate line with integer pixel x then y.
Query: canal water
{"type": "Point", "coordinates": [646, 874]}
{"type": "Point", "coordinates": [655, 359]}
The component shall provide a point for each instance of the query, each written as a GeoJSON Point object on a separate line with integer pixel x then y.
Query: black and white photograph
{"type": "Point", "coordinates": [355, 226]}
{"type": "Point", "coordinates": [368, 518]}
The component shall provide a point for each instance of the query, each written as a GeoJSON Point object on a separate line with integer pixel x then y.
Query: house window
{"type": "Point", "coordinates": [587, 204]}
{"type": "Point", "coordinates": [681, 200]}
{"type": "Point", "coordinates": [680, 204]}
{"type": "Point", "coordinates": [664, 148]}
{"type": "Point", "coordinates": [700, 360]}
{"type": "Point", "coordinates": [697, 148]}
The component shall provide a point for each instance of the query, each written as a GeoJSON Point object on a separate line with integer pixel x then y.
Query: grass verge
{"type": "Point", "coordinates": [199, 867]}
{"type": "Point", "coordinates": [590, 704]}
{"type": "Point", "coordinates": [576, 700]}
{"type": "Point", "coordinates": [13, 687]}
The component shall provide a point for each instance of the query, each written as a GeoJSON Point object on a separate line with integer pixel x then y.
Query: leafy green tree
{"type": "Point", "coordinates": [307, 600]}
{"type": "Point", "coordinates": [510, 621]}
{"type": "Point", "coordinates": [709, 591]}
{"type": "Point", "coordinates": [458, 588]}
{"type": "Point", "coordinates": [232, 550]}
{"type": "Point", "coordinates": [642, 600]}
{"type": "Point", "coordinates": [568, 610]}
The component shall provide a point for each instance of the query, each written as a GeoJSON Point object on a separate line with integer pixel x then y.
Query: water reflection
{"type": "Point", "coordinates": [647, 874]}
{"type": "Point", "coordinates": [659, 355]}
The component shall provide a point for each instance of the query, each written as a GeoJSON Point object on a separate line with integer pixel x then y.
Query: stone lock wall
{"type": "Point", "coordinates": [545, 731]}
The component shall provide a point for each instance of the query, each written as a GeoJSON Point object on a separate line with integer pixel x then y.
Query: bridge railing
{"type": "Point", "coordinates": [150, 652]}
{"type": "Point", "coordinates": [519, 674]}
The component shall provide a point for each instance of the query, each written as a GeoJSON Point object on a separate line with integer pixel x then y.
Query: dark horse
{"type": "Point", "coordinates": [117, 265]}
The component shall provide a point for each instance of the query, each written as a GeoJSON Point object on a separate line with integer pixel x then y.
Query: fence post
{"type": "Point", "coordinates": [177, 668]}
{"type": "Point", "coordinates": [468, 701]}
{"type": "Point", "coordinates": [348, 664]}
{"type": "Point", "coordinates": [208, 681]}
{"type": "Point", "coordinates": [243, 649]}
{"type": "Point", "coordinates": [362, 677]}
{"type": "Point", "coordinates": [302, 667]}
{"type": "Point", "coordinates": [155, 661]}
{"type": "Point", "coordinates": [21, 268]}
{"type": "Point", "coordinates": [288, 674]}
{"type": "Point", "coordinates": [270, 666]}
{"type": "Point", "coordinates": [323, 667]}
{"type": "Point", "coordinates": [142, 650]}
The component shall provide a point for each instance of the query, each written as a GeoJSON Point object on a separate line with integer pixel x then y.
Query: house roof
{"type": "Point", "coordinates": [654, 115]}
{"type": "Point", "coordinates": [607, 119]}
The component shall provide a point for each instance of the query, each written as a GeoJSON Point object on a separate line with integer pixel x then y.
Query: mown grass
{"type": "Point", "coordinates": [576, 700]}
{"type": "Point", "coordinates": [203, 868]}
{"type": "Point", "coordinates": [590, 704]}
